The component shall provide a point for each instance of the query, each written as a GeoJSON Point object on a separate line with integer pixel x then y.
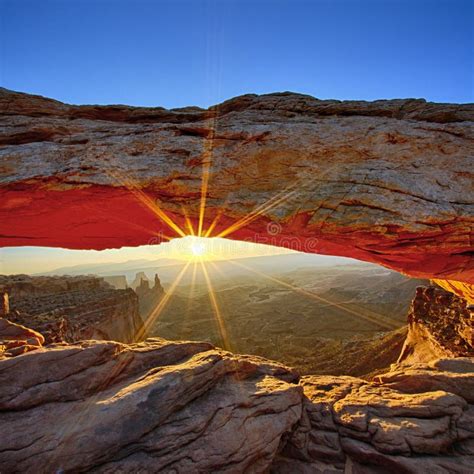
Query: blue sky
{"type": "Point", "coordinates": [177, 53]}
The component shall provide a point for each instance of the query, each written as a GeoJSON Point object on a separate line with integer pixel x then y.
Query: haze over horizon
{"type": "Point", "coordinates": [44, 259]}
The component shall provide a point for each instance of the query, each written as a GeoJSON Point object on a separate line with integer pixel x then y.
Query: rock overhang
{"type": "Point", "coordinates": [388, 182]}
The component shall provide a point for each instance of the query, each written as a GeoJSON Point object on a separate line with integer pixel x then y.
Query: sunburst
{"type": "Point", "coordinates": [151, 319]}
{"type": "Point", "coordinates": [199, 252]}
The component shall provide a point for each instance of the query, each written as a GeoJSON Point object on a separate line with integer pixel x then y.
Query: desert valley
{"type": "Point", "coordinates": [353, 355]}
{"type": "Point", "coordinates": [335, 317]}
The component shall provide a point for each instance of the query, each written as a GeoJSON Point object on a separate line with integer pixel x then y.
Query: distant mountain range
{"type": "Point", "coordinates": [168, 268]}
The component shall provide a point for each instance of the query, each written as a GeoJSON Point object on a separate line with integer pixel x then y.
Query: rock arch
{"type": "Point", "coordinates": [389, 181]}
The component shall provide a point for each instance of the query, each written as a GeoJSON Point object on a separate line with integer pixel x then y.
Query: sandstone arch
{"type": "Point", "coordinates": [387, 181]}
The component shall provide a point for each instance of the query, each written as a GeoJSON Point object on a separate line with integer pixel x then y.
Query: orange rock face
{"type": "Point", "coordinates": [388, 182]}
{"type": "Point", "coordinates": [440, 325]}
{"type": "Point", "coordinates": [16, 339]}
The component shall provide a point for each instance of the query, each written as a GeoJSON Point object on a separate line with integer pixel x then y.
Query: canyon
{"type": "Point", "coordinates": [346, 319]}
{"type": "Point", "coordinates": [388, 182]}
{"type": "Point", "coordinates": [69, 309]}
{"type": "Point", "coordinates": [163, 406]}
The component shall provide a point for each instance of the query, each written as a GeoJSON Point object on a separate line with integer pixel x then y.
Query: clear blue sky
{"type": "Point", "coordinates": [176, 53]}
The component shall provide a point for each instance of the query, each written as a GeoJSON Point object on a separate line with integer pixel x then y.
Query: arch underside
{"type": "Point", "coordinates": [388, 182]}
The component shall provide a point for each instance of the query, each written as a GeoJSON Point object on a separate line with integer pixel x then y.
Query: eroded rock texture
{"type": "Point", "coordinates": [72, 308]}
{"type": "Point", "coordinates": [187, 407]}
{"type": "Point", "coordinates": [151, 407]}
{"type": "Point", "coordinates": [388, 181]}
{"type": "Point", "coordinates": [16, 339]}
{"type": "Point", "coordinates": [440, 325]}
{"type": "Point", "coordinates": [402, 424]}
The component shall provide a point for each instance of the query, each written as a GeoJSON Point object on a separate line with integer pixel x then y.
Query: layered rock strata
{"type": "Point", "coordinates": [440, 325]}
{"type": "Point", "coordinates": [184, 407]}
{"type": "Point", "coordinates": [408, 421]}
{"type": "Point", "coordinates": [151, 407]}
{"type": "Point", "coordinates": [72, 308]}
{"type": "Point", "coordinates": [386, 181]}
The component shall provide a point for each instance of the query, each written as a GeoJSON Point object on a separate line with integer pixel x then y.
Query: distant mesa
{"type": "Point", "coordinates": [66, 308]}
{"type": "Point", "coordinates": [119, 282]}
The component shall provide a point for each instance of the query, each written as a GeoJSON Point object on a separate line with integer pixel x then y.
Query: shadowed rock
{"type": "Point", "coordinates": [65, 308]}
{"type": "Point", "coordinates": [16, 339]}
{"type": "Point", "coordinates": [440, 325]}
{"type": "Point", "coordinates": [411, 422]}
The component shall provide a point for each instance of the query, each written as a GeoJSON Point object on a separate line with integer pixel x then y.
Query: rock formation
{"type": "Point", "coordinates": [416, 418]}
{"type": "Point", "coordinates": [386, 181]}
{"type": "Point", "coordinates": [72, 308]}
{"type": "Point", "coordinates": [16, 339]}
{"type": "Point", "coordinates": [440, 325]}
{"type": "Point", "coordinates": [151, 407]}
{"type": "Point", "coordinates": [400, 424]}
{"type": "Point", "coordinates": [119, 282]}
{"type": "Point", "coordinates": [149, 298]}
{"type": "Point", "coordinates": [139, 278]}
{"type": "Point", "coordinates": [161, 406]}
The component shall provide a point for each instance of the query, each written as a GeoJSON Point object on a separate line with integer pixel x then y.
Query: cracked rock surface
{"type": "Point", "coordinates": [387, 181]}
{"type": "Point", "coordinates": [407, 421]}
{"type": "Point", "coordinates": [187, 407]}
{"type": "Point", "coordinates": [157, 406]}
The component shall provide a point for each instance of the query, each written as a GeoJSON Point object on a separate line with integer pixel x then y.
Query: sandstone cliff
{"type": "Point", "coordinates": [72, 308]}
{"type": "Point", "coordinates": [386, 181]}
{"type": "Point", "coordinates": [440, 324]}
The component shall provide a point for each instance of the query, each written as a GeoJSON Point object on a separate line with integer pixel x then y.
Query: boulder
{"type": "Point", "coordinates": [156, 406]}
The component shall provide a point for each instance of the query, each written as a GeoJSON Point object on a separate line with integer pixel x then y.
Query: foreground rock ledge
{"type": "Point", "coordinates": [152, 407]}
{"type": "Point", "coordinates": [188, 407]}
{"type": "Point", "coordinates": [388, 181]}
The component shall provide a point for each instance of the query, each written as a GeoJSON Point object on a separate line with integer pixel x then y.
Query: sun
{"type": "Point", "coordinates": [198, 249]}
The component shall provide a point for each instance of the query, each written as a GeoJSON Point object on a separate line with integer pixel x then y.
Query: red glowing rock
{"type": "Point", "coordinates": [388, 182]}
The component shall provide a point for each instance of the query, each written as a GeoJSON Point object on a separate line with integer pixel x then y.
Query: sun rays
{"type": "Point", "coordinates": [148, 324]}
{"type": "Point", "coordinates": [146, 201]}
{"type": "Point", "coordinates": [226, 343]}
{"type": "Point", "coordinates": [378, 319]}
{"type": "Point", "coordinates": [194, 227]}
